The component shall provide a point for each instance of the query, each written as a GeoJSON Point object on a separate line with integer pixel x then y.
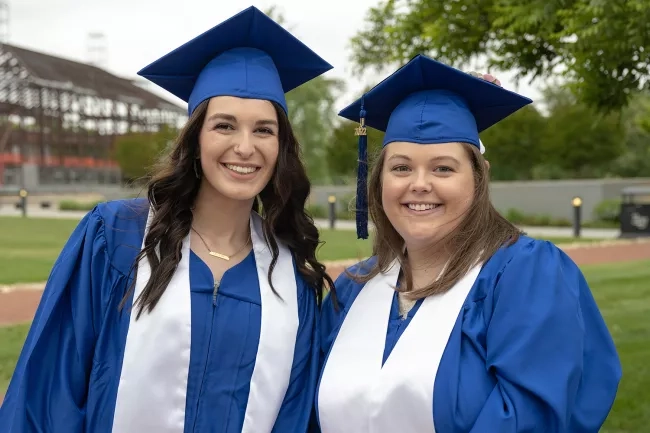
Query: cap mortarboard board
{"type": "Point", "coordinates": [426, 102]}
{"type": "Point", "coordinates": [249, 56]}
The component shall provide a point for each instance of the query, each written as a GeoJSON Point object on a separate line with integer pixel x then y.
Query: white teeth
{"type": "Point", "coordinates": [421, 206]}
{"type": "Point", "coordinates": [240, 169]}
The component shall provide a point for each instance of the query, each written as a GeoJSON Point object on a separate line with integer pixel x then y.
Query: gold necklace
{"type": "Point", "coordinates": [219, 255]}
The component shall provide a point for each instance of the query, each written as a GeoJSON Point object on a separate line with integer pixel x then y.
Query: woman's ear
{"type": "Point", "coordinates": [487, 164]}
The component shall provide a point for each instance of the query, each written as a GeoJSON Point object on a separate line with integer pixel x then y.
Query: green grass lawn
{"type": "Point", "coordinates": [343, 244]}
{"type": "Point", "coordinates": [29, 247]}
{"type": "Point", "coordinates": [11, 342]}
{"type": "Point", "coordinates": [623, 294]}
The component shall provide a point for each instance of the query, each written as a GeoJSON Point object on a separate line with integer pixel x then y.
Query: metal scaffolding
{"type": "Point", "coordinates": [59, 118]}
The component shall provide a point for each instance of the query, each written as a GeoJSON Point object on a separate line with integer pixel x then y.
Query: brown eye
{"type": "Point", "coordinates": [444, 169]}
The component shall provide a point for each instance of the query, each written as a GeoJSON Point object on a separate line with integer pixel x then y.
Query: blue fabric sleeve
{"type": "Point", "coordinates": [48, 389]}
{"type": "Point", "coordinates": [536, 344]}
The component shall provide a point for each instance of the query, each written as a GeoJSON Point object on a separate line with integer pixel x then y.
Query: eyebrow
{"type": "Point", "coordinates": [231, 118]}
{"type": "Point", "coordinates": [435, 158]}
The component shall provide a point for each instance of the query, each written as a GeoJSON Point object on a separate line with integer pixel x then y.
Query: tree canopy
{"type": "Point", "coordinates": [137, 152]}
{"type": "Point", "coordinates": [571, 140]}
{"type": "Point", "coordinates": [312, 113]}
{"type": "Point", "coordinates": [601, 47]}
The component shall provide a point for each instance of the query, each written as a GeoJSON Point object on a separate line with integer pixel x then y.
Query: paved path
{"type": "Point", "coordinates": [36, 212]}
{"type": "Point", "coordinates": [553, 232]}
{"type": "Point", "coordinates": [18, 304]}
{"type": "Point", "coordinates": [585, 254]}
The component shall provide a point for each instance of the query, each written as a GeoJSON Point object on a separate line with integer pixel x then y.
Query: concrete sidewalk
{"type": "Point", "coordinates": [553, 232]}
{"type": "Point", "coordinates": [37, 212]}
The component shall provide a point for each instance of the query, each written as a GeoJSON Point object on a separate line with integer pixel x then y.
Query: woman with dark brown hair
{"type": "Point", "coordinates": [458, 323]}
{"type": "Point", "coordinates": [193, 310]}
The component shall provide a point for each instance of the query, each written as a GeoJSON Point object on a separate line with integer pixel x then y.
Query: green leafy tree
{"type": "Point", "coordinates": [579, 142]}
{"type": "Point", "coordinates": [312, 113]}
{"type": "Point", "coordinates": [602, 47]}
{"type": "Point", "coordinates": [514, 145]}
{"type": "Point", "coordinates": [136, 153]}
{"type": "Point", "coordinates": [635, 160]}
{"type": "Point", "coordinates": [342, 152]}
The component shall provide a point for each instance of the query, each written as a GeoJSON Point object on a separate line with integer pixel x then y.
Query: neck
{"type": "Point", "coordinates": [223, 221]}
{"type": "Point", "coordinates": [426, 263]}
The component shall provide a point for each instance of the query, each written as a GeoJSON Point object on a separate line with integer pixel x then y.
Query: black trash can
{"type": "Point", "coordinates": [635, 212]}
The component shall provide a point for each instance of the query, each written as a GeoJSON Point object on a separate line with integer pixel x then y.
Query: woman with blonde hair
{"type": "Point", "coordinates": [458, 323]}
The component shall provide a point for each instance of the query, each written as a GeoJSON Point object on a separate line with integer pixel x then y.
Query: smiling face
{"type": "Point", "coordinates": [239, 144]}
{"type": "Point", "coordinates": [426, 190]}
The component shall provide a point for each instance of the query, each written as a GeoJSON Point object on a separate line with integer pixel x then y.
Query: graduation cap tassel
{"type": "Point", "coordinates": [362, 178]}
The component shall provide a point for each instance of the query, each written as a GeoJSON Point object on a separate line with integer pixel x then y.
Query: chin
{"type": "Point", "coordinates": [423, 237]}
{"type": "Point", "coordinates": [239, 192]}
{"type": "Point", "coordinates": [239, 195]}
{"type": "Point", "coordinates": [425, 232]}
{"type": "Point", "coordinates": [235, 190]}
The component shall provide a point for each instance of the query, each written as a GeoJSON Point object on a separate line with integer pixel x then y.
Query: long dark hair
{"type": "Point", "coordinates": [173, 189]}
{"type": "Point", "coordinates": [480, 233]}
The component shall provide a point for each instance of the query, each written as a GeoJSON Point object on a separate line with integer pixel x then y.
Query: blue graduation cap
{"type": "Point", "coordinates": [426, 102]}
{"type": "Point", "coordinates": [248, 56]}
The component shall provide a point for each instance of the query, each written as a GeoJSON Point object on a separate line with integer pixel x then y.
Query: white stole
{"type": "Point", "coordinates": [153, 382]}
{"type": "Point", "coordinates": [356, 393]}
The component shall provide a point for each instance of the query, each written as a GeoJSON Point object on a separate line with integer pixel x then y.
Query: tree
{"type": "Point", "coordinates": [635, 160]}
{"type": "Point", "coordinates": [342, 152]}
{"type": "Point", "coordinates": [578, 141]}
{"type": "Point", "coordinates": [136, 153]}
{"type": "Point", "coordinates": [312, 115]}
{"type": "Point", "coordinates": [515, 139]}
{"type": "Point", "coordinates": [601, 47]}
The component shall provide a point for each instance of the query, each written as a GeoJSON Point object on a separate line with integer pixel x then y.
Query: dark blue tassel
{"type": "Point", "coordinates": [362, 178]}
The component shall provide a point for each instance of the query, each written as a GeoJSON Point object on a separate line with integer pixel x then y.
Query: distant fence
{"type": "Point", "coordinates": [550, 197]}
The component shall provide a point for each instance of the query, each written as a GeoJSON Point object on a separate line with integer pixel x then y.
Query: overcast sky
{"type": "Point", "coordinates": [136, 32]}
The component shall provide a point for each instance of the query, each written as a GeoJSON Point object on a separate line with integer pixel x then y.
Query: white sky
{"type": "Point", "coordinates": [137, 32]}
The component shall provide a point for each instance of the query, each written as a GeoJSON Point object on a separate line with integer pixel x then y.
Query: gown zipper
{"type": "Point", "coordinates": [214, 293]}
{"type": "Point", "coordinates": [207, 354]}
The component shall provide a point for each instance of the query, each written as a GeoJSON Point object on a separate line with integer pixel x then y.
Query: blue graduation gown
{"type": "Point", "coordinates": [67, 376]}
{"type": "Point", "coordinates": [529, 352]}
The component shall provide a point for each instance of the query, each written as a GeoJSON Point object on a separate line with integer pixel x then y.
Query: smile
{"type": "Point", "coordinates": [421, 207]}
{"type": "Point", "coordinates": [241, 169]}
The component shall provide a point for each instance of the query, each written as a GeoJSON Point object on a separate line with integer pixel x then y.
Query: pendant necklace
{"type": "Point", "coordinates": [219, 255]}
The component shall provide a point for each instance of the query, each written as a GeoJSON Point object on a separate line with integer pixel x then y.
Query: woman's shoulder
{"type": "Point", "coordinates": [529, 266]}
{"type": "Point", "coordinates": [524, 261]}
{"type": "Point", "coordinates": [358, 269]}
{"type": "Point", "coordinates": [123, 213]}
{"type": "Point", "coordinates": [122, 226]}
{"type": "Point", "coordinates": [114, 214]}
{"type": "Point", "coordinates": [346, 284]}
{"type": "Point", "coordinates": [526, 249]}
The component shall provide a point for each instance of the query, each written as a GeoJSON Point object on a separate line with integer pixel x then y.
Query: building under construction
{"type": "Point", "coordinates": [59, 120]}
